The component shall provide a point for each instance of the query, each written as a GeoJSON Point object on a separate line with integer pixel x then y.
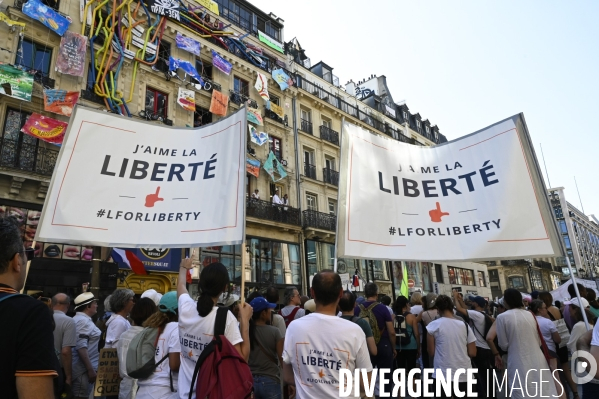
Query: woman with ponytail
{"type": "Point", "coordinates": [163, 382]}
{"type": "Point", "coordinates": [196, 320]}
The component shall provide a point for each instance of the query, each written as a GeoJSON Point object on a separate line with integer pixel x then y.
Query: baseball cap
{"type": "Point", "coordinates": [153, 295]}
{"type": "Point", "coordinates": [84, 299]}
{"type": "Point", "coordinates": [574, 301]}
{"type": "Point", "coordinates": [260, 303]}
{"type": "Point", "coordinates": [479, 300]}
{"type": "Point", "coordinates": [168, 302]}
{"type": "Point", "coordinates": [310, 305]}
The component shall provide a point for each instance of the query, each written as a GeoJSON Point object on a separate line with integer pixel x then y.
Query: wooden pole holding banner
{"type": "Point", "coordinates": [337, 210]}
{"type": "Point", "coordinates": [243, 255]}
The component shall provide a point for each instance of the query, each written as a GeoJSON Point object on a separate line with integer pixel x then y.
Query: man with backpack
{"type": "Point", "coordinates": [347, 303]}
{"type": "Point", "coordinates": [381, 323]}
{"type": "Point", "coordinates": [481, 324]}
{"type": "Point", "coordinates": [292, 310]}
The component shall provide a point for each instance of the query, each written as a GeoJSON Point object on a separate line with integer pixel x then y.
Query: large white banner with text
{"type": "Point", "coordinates": [479, 197]}
{"type": "Point", "coordinates": [122, 182]}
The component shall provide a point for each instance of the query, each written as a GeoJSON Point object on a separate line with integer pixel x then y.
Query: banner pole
{"type": "Point", "coordinates": [337, 210]}
{"type": "Point", "coordinates": [27, 268]}
{"type": "Point", "coordinates": [243, 255]}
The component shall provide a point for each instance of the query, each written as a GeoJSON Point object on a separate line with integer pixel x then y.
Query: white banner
{"type": "Point", "coordinates": [480, 197]}
{"type": "Point", "coordinates": [122, 182]}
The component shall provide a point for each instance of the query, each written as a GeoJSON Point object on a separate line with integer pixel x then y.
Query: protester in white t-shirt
{"type": "Point", "coordinates": [416, 303]}
{"type": "Point", "coordinates": [451, 342]}
{"type": "Point", "coordinates": [121, 303]}
{"type": "Point", "coordinates": [548, 329]}
{"type": "Point", "coordinates": [196, 320]}
{"type": "Point", "coordinates": [315, 350]}
{"type": "Point", "coordinates": [276, 200]}
{"type": "Point", "coordinates": [163, 382]}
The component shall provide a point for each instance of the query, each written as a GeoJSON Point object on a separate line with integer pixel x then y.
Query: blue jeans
{"type": "Point", "coordinates": [266, 388]}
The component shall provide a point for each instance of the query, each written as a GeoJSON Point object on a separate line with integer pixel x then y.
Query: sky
{"type": "Point", "coordinates": [465, 65]}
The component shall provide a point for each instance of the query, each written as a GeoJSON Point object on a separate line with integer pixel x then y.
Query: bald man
{"type": "Point", "coordinates": [64, 334]}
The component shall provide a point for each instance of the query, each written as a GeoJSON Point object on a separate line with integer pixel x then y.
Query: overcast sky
{"type": "Point", "coordinates": [465, 65]}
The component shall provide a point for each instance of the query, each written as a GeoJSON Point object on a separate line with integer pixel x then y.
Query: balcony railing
{"type": "Point", "coordinates": [90, 95]}
{"type": "Point", "coordinates": [310, 171]}
{"type": "Point", "coordinates": [240, 98]}
{"type": "Point", "coordinates": [271, 115]}
{"type": "Point", "coordinates": [329, 135]}
{"type": "Point", "coordinates": [275, 213]}
{"type": "Point", "coordinates": [27, 157]}
{"type": "Point", "coordinates": [306, 126]}
{"type": "Point", "coordinates": [514, 262]}
{"type": "Point", "coordinates": [543, 264]}
{"type": "Point", "coordinates": [330, 176]}
{"type": "Point", "coordinates": [319, 220]}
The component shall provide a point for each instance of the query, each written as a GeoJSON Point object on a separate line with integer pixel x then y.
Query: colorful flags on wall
{"type": "Point", "coordinates": [262, 86]}
{"type": "Point", "coordinates": [186, 99]}
{"type": "Point", "coordinates": [282, 79]}
{"type": "Point", "coordinates": [219, 103]}
{"type": "Point", "coordinates": [175, 63]}
{"type": "Point", "coordinates": [257, 137]}
{"type": "Point", "coordinates": [252, 166]}
{"type": "Point", "coordinates": [221, 64]}
{"type": "Point", "coordinates": [45, 128]}
{"type": "Point", "coordinates": [60, 101]}
{"type": "Point", "coordinates": [272, 166]}
{"type": "Point", "coordinates": [71, 54]}
{"type": "Point", "coordinates": [255, 117]}
{"type": "Point", "coordinates": [188, 44]}
{"type": "Point", "coordinates": [47, 16]}
{"type": "Point", "coordinates": [15, 82]}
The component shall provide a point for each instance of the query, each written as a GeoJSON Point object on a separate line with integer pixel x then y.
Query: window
{"type": "Point", "coordinates": [308, 157]}
{"type": "Point", "coordinates": [460, 276]}
{"type": "Point", "coordinates": [321, 256]}
{"type": "Point", "coordinates": [201, 117]}
{"type": "Point", "coordinates": [311, 202]}
{"type": "Point", "coordinates": [156, 102]}
{"type": "Point", "coordinates": [417, 123]}
{"type": "Point", "coordinates": [405, 115]}
{"type": "Point", "coordinates": [428, 130]}
{"type": "Point", "coordinates": [241, 86]}
{"type": "Point", "coordinates": [567, 241]}
{"type": "Point", "coordinates": [494, 276]}
{"type": "Point", "coordinates": [562, 225]}
{"type": "Point", "coordinates": [204, 68]}
{"type": "Point", "coordinates": [481, 279]}
{"type": "Point", "coordinates": [516, 282]}
{"type": "Point", "coordinates": [34, 56]}
{"type": "Point", "coordinates": [305, 115]}
{"type": "Point", "coordinates": [439, 273]}
{"type": "Point", "coordinates": [276, 146]}
{"type": "Point", "coordinates": [329, 163]}
{"type": "Point", "coordinates": [332, 207]}
{"type": "Point", "coordinates": [326, 123]}
{"type": "Point", "coordinates": [164, 54]}
{"type": "Point", "coordinates": [19, 150]}
{"type": "Point", "coordinates": [275, 100]}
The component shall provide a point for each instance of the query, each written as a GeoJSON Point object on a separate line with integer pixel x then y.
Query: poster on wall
{"type": "Point", "coordinates": [150, 189]}
{"type": "Point", "coordinates": [221, 64]}
{"type": "Point", "coordinates": [60, 101]}
{"type": "Point", "coordinates": [45, 128]}
{"type": "Point", "coordinates": [480, 197]}
{"type": "Point", "coordinates": [188, 44]}
{"type": "Point", "coordinates": [71, 54]}
{"type": "Point", "coordinates": [15, 82]}
{"type": "Point", "coordinates": [186, 99]}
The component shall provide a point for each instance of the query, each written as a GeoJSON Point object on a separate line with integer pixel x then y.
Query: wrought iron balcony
{"type": "Point", "coordinates": [90, 95]}
{"type": "Point", "coordinates": [271, 115]}
{"type": "Point", "coordinates": [306, 126]}
{"type": "Point", "coordinates": [310, 171]}
{"type": "Point", "coordinates": [27, 157]}
{"type": "Point", "coordinates": [240, 98]}
{"type": "Point", "coordinates": [329, 135]}
{"type": "Point", "coordinates": [515, 262]}
{"type": "Point", "coordinates": [330, 176]}
{"type": "Point", "coordinates": [543, 264]}
{"type": "Point", "coordinates": [319, 220]}
{"type": "Point", "coordinates": [275, 213]}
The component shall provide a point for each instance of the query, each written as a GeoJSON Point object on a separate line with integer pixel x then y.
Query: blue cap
{"type": "Point", "coordinates": [168, 302]}
{"type": "Point", "coordinates": [259, 304]}
{"type": "Point", "coordinates": [479, 300]}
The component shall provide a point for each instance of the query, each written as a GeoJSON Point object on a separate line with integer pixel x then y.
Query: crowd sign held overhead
{"type": "Point", "coordinates": [479, 197]}
{"type": "Point", "coordinates": [121, 182]}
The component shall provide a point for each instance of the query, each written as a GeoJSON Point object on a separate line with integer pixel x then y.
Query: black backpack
{"type": "Point", "coordinates": [402, 336]}
{"type": "Point", "coordinates": [488, 325]}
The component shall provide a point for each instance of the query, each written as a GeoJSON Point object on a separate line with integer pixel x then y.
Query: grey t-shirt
{"type": "Point", "coordinates": [262, 363]}
{"type": "Point", "coordinates": [64, 332]}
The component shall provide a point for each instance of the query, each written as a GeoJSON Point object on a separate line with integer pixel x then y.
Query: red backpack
{"type": "Point", "coordinates": [291, 316]}
{"type": "Point", "coordinates": [223, 373]}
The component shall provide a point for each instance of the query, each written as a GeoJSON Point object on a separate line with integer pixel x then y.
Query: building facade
{"type": "Point", "coordinates": [127, 68]}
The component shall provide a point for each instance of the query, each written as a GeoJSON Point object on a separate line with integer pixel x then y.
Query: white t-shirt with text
{"type": "Point", "coordinates": [316, 358]}
{"type": "Point", "coordinates": [195, 333]}
{"type": "Point", "coordinates": [451, 350]}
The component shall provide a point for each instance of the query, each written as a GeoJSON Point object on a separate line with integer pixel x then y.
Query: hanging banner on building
{"type": "Point", "coordinates": [219, 103]}
{"type": "Point", "coordinates": [253, 167]}
{"type": "Point", "coordinates": [270, 42]}
{"type": "Point", "coordinates": [168, 8]}
{"type": "Point", "coordinates": [480, 197]}
{"type": "Point", "coordinates": [255, 117]}
{"type": "Point", "coordinates": [276, 109]}
{"type": "Point", "coordinates": [45, 128]}
{"type": "Point", "coordinates": [174, 64]}
{"type": "Point", "coordinates": [221, 64]}
{"type": "Point", "coordinates": [150, 189]}
{"type": "Point", "coordinates": [71, 54]}
{"type": "Point", "coordinates": [186, 99]}
{"type": "Point", "coordinates": [282, 79]}
{"type": "Point", "coordinates": [188, 44]}
{"type": "Point", "coordinates": [272, 166]}
{"type": "Point", "coordinates": [47, 16]}
{"type": "Point", "coordinates": [261, 86]}
{"type": "Point", "coordinates": [210, 5]}
{"type": "Point", "coordinates": [257, 137]}
{"type": "Point", "coordinates": [60, 101]}
{"type": "Point", "coordinates": [15, 82]}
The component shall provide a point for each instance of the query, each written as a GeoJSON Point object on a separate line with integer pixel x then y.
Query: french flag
{"type": "Point", "coordinates": [128, 258]}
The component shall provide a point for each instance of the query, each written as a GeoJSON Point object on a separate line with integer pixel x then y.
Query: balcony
{"type": "Point", "coordinates": [329, 135]}
{"type": "Point", "coordinates": [275, 213]}
{"type": "Point", "coordinates": [319, 220]}
{"type": "Point", "coordinates": [543, 264]}
{"type": "Point", "coordinates": [27, 157]}
{"type": "Point", "coordinates": [330, 176]}
{"type": "Point", "coordinates": [310, 171]}
{"type": "Point", "coordinates": [515, 262]}
{"type": "Point", "coordinates": [271, 115]}
{"type": "Point", "coordinates": [240, 98]}
{"type": "Point", "coordinates": [90, 95]}
{"type": "Point", "coordinates": [306, 126]}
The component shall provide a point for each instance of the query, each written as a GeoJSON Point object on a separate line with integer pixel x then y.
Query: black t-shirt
{"type": "Point", "coordinates": [27, 341]}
